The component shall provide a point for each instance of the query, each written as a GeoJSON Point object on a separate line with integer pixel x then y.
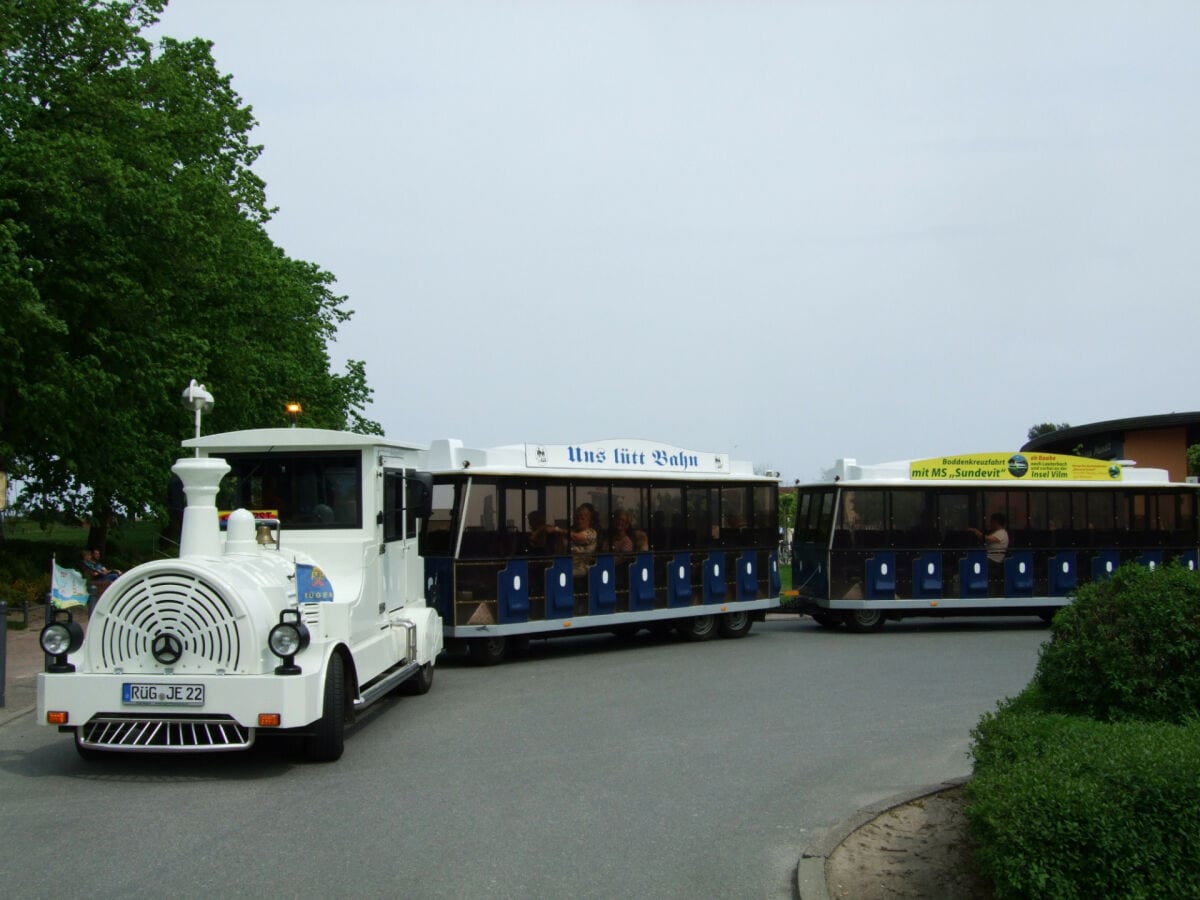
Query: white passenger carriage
{"type": "Point", "coordinates": [980, 534]}
{"type": "Point", "coordinates": [674, 539]}
{"type": "Point", "coordinates": [309, 606]}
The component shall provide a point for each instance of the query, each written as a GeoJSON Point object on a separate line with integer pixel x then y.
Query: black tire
{"type": "Point", "coordinates": [487, 651]}
{"type": "Point", "coordinates": [697, 628]}
{"type": "Point", "coordinates": [327, 741]}
{"type": "Point", "coordinates": [827, 619]}
{"type": "Point", "coordinates": [735, 624]}
{"type": "Point", "coordinates": [862, 621]}
{"type": "Point", "coordinates": [1047, 615]}
{"type": "Point", "coordinates": [420, 683]}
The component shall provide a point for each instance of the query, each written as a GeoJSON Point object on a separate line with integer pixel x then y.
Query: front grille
{"type": "Point", "coordinates": [166, 734]}
{"type": "Point", "coordinates": [172, 603]}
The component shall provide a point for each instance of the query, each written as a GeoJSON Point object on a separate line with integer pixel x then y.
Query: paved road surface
{"type": "Point", "coordinates": [590, 769]}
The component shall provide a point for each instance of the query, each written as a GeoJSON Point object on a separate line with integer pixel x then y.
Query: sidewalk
{"type": "Point", "coordinates": [25, 660]}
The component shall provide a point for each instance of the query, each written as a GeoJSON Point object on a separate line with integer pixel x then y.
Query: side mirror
{"type": "Point", "coordinates": [419, 490]}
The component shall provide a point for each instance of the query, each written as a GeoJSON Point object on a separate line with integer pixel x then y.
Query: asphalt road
{"type": "Point", "coordinates": [591, 768]}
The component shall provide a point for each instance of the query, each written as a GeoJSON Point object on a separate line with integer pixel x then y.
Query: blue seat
{"type": "Point", "coordinates": [1189, 559]}
{"type": "Point", "coordinates": [881, 576]}
{"type": "Point", "coordinates": [512, 592]}
{"type": "Point", "coordinates": [747, 575]}
{"type": "Point", "coordinates": [641, 583]}
{"type": "Point", "coordinates": [714, 577]}
{"type": "Point", "coordinates": [973, 574]}
{"type": "Point", "coordinates": [560, 589]}
{"type": "Point", "coordinates": [1061, 574]}
{"type": "Point", "coordinates": [679, 580]}
{"type": "Point", "coordinates": [927, 576]}
{"type": "Point", "coordinates": [1018, 574]}
{"type": "Point", "coordinates": [602, 585]}
{"type": "Point", "coordinates": [1151, 559]}
{"type": "Point", "coordinates": [1104, 564]}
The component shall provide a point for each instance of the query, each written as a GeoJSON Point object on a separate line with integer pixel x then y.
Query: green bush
{"type": "Point", "coordinates": [1067, 807]}
{"type": "Point", "coordinates": [1128, 647]}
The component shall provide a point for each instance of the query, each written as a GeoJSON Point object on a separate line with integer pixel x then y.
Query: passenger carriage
{"type": "Point", "coordinates": [904, 539]}
{"type": "Point", "coordinates": [702, 560]}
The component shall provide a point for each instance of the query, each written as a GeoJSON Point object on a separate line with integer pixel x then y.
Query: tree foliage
{"type": "Point", "coordinates": [134, 256]}
{"type": "Point", "coordinates": [1193, 458]}
{"type": "Point", "coordinates": [1046, 428]}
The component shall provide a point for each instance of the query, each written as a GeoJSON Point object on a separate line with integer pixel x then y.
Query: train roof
{"type": "Point", "coordinates": [1000, 469]}
{"type": "Point", "coordinates": [613, 458]}
{"type": "Point", "coordinates": [292, 439]}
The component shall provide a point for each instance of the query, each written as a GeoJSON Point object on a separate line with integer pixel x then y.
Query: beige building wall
{"type": "Point", "coordinates": [1159, 448]}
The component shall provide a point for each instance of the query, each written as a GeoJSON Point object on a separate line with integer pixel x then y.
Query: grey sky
{"type": "Point", "coordinates": [796, 231]}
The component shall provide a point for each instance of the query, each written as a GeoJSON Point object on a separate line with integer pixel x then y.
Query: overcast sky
{"type": "Point", "coordinates": [793, 231]}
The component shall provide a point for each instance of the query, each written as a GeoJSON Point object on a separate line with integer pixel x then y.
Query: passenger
{"type": "Point", "coordinates": [582, 536]}
{"type": "Point", "coordinates": [622, 539]}
{"type": "Point", "coordinates": [996, 539]}
{"type": "Point", "coordinates": [543, 538]}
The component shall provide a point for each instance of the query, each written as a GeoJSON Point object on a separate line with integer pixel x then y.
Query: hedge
{"type": "Point", "coordinates": [1065, 806]}
{"type": "Point", "coordinates": [1128, 647]}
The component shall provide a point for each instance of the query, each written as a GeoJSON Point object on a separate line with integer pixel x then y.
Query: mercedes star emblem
{"type": "Point", "coordinates": [166, 648]}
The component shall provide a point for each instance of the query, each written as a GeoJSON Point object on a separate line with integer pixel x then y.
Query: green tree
{"type": "Point", "coordinates": [1193, 458]}
{"type": "Point", "coordinates": [134, 256]}
{"type": "Point", "coordinates": [787, 511]}
{"type": "Point", "coordinates": [1046, 428]}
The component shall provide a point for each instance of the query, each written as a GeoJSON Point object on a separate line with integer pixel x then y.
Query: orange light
{"type": "Point", "coordinates": [723, 608]}
{"type": "Point", "coordinates": [57, 717]}
{"type": "Point", "coordinates": [294, 408]}
{"type": "Point", "coordinates": [566, 624]}
{"type": "Point", "coordinates": [933, 603]}
{"type": "Point", "coordinates": [268, 720]}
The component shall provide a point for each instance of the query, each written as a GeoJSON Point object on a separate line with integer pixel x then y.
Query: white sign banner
{"type": "Point", "coordinates": [625, 456]}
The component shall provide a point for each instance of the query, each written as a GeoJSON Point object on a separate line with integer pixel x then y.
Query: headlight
{"type": "Point", "coordinates": [286, 639]}
{"type": "Point", "coordinates": [56, 639]}
{"type": "Point", "coordinates": [60, 638]}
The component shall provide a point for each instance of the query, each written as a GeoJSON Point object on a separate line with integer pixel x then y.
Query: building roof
{"type": "Point", "coordinates": [1069, 437]}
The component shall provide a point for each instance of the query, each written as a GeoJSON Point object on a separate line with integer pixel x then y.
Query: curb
{"type": "Point", "coordinates": [810, 871]}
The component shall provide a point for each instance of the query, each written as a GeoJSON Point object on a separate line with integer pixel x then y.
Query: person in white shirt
{"type": "Point", "coordinates": [996, 540]}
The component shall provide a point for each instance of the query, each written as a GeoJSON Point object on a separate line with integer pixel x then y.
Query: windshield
{"type": "Point", "coordinates": [302, 490]}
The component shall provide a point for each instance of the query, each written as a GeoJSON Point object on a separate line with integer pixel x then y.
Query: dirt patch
{"type": "Point", "coordinates": [920, 849]}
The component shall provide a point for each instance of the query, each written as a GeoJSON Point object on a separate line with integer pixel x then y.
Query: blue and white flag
{"type": "Point", "coordinates": [312, 585]}
{"type": "Point", "coordinates": [67, 587]}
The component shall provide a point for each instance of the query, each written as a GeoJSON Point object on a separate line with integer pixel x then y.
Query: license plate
{"type": "Point", "coordinates": [162, 694]}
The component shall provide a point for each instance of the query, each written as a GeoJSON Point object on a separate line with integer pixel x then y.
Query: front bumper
{"type": "Point", "coordinates": [237, 699]}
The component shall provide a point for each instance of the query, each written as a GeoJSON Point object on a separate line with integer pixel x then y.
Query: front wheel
{"type": "Point", "coordinates": [327, 741]}
{"type": "Point", "coordinates": [862, 621]}
{"type": "Point", "coordinates": [486, 651]}
{"type": "Point", "coordinates": [735, 625]}
{"type": "Point", "coordinates": [698, 628]}
{"type": "Point", "coordinates": [419, 683]}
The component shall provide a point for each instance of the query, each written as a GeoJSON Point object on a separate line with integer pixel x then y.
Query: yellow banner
{"type": "Point", "coordinates": [1013, 467]}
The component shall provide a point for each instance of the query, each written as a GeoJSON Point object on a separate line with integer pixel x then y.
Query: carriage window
{"type": "Point", "coordinates": [766, 514]}
{"type": "Point", "coordinates": [436, 534]}
{"type": "Point", "coordinates": [667, 530]}
{"type": "Point", "coordinates": [911, 522]}
{"type": "Point", "coordinates": [482, 529]}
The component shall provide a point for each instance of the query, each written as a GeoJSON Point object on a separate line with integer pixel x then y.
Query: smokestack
{"type": "Point", "coordinates": [201, 531]}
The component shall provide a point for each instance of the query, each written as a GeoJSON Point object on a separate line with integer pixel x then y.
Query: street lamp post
{"type": "Point", "coordinates": [294, 410]}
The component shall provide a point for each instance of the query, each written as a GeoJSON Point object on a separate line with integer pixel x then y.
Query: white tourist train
{"type": "Point", "coordinates": [321, 570]}
{"type": "Point", "coordinates": [306, 608]}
